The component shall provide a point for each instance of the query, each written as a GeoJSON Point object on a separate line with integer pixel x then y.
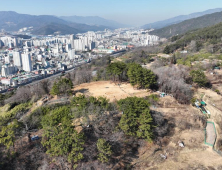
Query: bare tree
{"type": "Point", "coordinates": [174, 80]}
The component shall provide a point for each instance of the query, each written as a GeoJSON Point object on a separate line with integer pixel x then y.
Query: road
{"type": "Point", "coordinates": [47, 78]}
{"type": "Point", "coordinates": [58, 74]}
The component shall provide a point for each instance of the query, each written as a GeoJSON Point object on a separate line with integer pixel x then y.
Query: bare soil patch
{"type": "Point", "coordinates": [110, 90]}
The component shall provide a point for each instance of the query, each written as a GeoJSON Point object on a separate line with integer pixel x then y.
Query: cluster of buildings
{"type": "Point", "coordinates": [25, 60]}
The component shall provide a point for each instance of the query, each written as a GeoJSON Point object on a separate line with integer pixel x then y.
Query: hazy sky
{"type": "Point", "coordinates": [133, 12]}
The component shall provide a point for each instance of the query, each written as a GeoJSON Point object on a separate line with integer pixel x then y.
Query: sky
{"type": "Point", "coordinates": [132, 12]}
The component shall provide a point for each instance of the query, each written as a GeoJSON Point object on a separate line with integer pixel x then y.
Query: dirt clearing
{"type": "Point", "coordinates": [110, 90]}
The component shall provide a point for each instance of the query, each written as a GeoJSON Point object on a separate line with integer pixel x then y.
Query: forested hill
{"type": "Point", "coordinates": [178, 19]}
{"type": "Point", "coordinates": [212, 35]}
{"type": "Point", "coordinates": [188, 25]}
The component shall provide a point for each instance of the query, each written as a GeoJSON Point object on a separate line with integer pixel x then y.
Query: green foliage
{"type": "Point", "coordinates": [217, 91]}
{"type": "Point", "coordinates": [5, 117]}
{"type": "Point", "coordinates": [211, 34]}
{"type": "Point", "coordinates": [199, 45]}
{"type": "Point", "coordinates": [56, 116]}
{"type": "Point", "coordinates": [81, 102]}
{"type": "Point", "coordinates": [34, 119]}
{"type": "Point", "coordinates": [7, 134]}
{"type": "Point", "coordinates": [193, 100]}
{"type": "Point", "coordinates": [167, 50]}
{"type": "Point", "coordinates": [153, 98]}
{"type": "Point", "coordinates": [136, 74]}
{"type": "Point", "coordinates": [116, 70]}
{"type": "Point", "coordinates": [176, 37]}
{"type": "Point", "coordinates": [199, 77]}
{"type": "Point", "coordinates": [63, 86]}
{"type": "Point", "coordinates": [101, 74]}
{"type": "Point", "coordinates": [59, 137]}
{"type": "Point", "coordinates": [189, 25]}
{"type": "Point", "coordinates": [140, 76]}
{"type": "Point", "coordinates": [3, 97]}
{"type": "Point", "coordinates": [104, 149]}
{"type": "Point", "coordinates": [136, 119]}
{"type": "Point", "coordinates": [188, 60]}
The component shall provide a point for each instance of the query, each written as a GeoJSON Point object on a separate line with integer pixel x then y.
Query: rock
{"type": "Point", "coordinates": [79, 129]}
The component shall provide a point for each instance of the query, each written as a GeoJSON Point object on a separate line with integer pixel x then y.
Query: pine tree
{"type": "Point", "coordinates": [136, 119]}
{"type": "Point", "coordinates": [104, 149]}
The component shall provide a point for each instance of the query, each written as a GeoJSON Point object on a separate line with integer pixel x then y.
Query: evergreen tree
{"type": "Point", "coordinates": [136, 119]}
{"type": "Point", "coordinates": [7, 134]}
{"type": "Point", "coordinates": [166, 50]}
{"type": "Point", "coordinates": [59, 136]}
{"type": "Point", "coordinates": [63, 86]}
{"type": "Point", "coordinates": [199, 77]}
{"type": "Point", "coordinates": [104, 149]}
{"type": "Point", "coordinates": [116, 70]}
{"type": "Point", "coordinates": [140, 76]}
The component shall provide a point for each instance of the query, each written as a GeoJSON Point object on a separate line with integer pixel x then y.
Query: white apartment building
{"type": "Point", "coordinates": [17, 59]}
{"type": "Point", "coordinates": [26, 62]}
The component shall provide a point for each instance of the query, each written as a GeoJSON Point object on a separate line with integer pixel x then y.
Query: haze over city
{"type": "Point", "coordinates": [131, 12]}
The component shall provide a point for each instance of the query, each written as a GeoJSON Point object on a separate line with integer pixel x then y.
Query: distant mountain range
{"type": "Point", "coordinates": [189, 25]}
{"type": "Point", "coordinates": [94, 20]}
{"type": "Point", "coordinates": [178, 19]}
{"type": "Point", "coordinates": [44, 24]}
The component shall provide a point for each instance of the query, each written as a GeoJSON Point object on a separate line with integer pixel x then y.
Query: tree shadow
{"type": "Point", "coordinates": [82, 91]}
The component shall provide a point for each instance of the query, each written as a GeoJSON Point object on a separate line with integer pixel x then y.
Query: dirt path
{"type": "Point", "coordinates": [213, 101]}
{"type": "Point", "coordinates": [210, 134]}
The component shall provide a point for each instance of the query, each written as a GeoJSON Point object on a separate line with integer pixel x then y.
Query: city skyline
{"type": "Point", "coordinates": [131, 12]}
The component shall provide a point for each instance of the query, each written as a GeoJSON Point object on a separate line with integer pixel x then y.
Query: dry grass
{"type": "Point", "coordinates": [188, 126]}
{"type": "Point", "coordinates": [110, 90]}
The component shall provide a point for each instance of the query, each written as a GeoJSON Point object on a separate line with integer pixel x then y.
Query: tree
{"type": "Point", "coordinates": [7, 134]}
{"type": "Point", "coordinates": [59, 136]}
{"type": "Point", "coordinates": [140, 76]}
{"type": "Point", "coordinates": [117, 70]}
{"type": "Point", "coordinates": [199, 77]}
{"type": "Point", "coordinates": [173, 80]}
{"type": "Point", "coordinates": [84, 106]}
{"type": "Point", "coordinates": [173, 59]}
{"type": "Point", "coordinates": [45, 84]}
{"type": "Point", "coordinates": [63, 86]}
{"type": "Point", "coordinates": [166, 50]}
{"type": "Point", "coordinates": [104, 149]}
{"type": "Point", "coordinates": [136, 119]}
{"type": "Point", "coordinates": [134, 71]}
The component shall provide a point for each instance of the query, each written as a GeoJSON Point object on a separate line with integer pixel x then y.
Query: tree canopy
{"type": "Point", "coordinates": [140, 76]}
{"type": "Point", "coordinates": [116, 70]}
{"type": "Point", "coordinates": [63, 86]}
{"type": "Point", "coordinates": [104, 149]}
{"type": "Point", "coordinates": [8, 132]}
{"type": "Point", "coordinates": [59, 137]}
{"type": "Point", "coordinates": [136, 119]}
{"type": "Point", "coordinates": [199, 77]}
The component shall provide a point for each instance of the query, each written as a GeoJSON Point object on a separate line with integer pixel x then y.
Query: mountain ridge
{"type": "Point", "coordinates": [93, 20]}
{"type": "Point", "coordinates": [178, 19]}
{"type": "Point", "coordinates": [189, 25]}
{"type": "Point", "coordinates": [13, 21]}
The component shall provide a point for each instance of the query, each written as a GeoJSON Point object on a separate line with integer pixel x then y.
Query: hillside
{"type": "Point", "coordinates": [51, 28]}
{"type": "Point", "coordinates": [188, 25]}
{"type": "Point", "coordinates": [85, 122]}
{"type": "Point", "coordinates": [12, 21]}
{"type": "Point", "coordinates": [93, 20]}
{"type": "Point", "coordinates": [212, 35]}
{"type": "Point", "coordinates": [178, 19]}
